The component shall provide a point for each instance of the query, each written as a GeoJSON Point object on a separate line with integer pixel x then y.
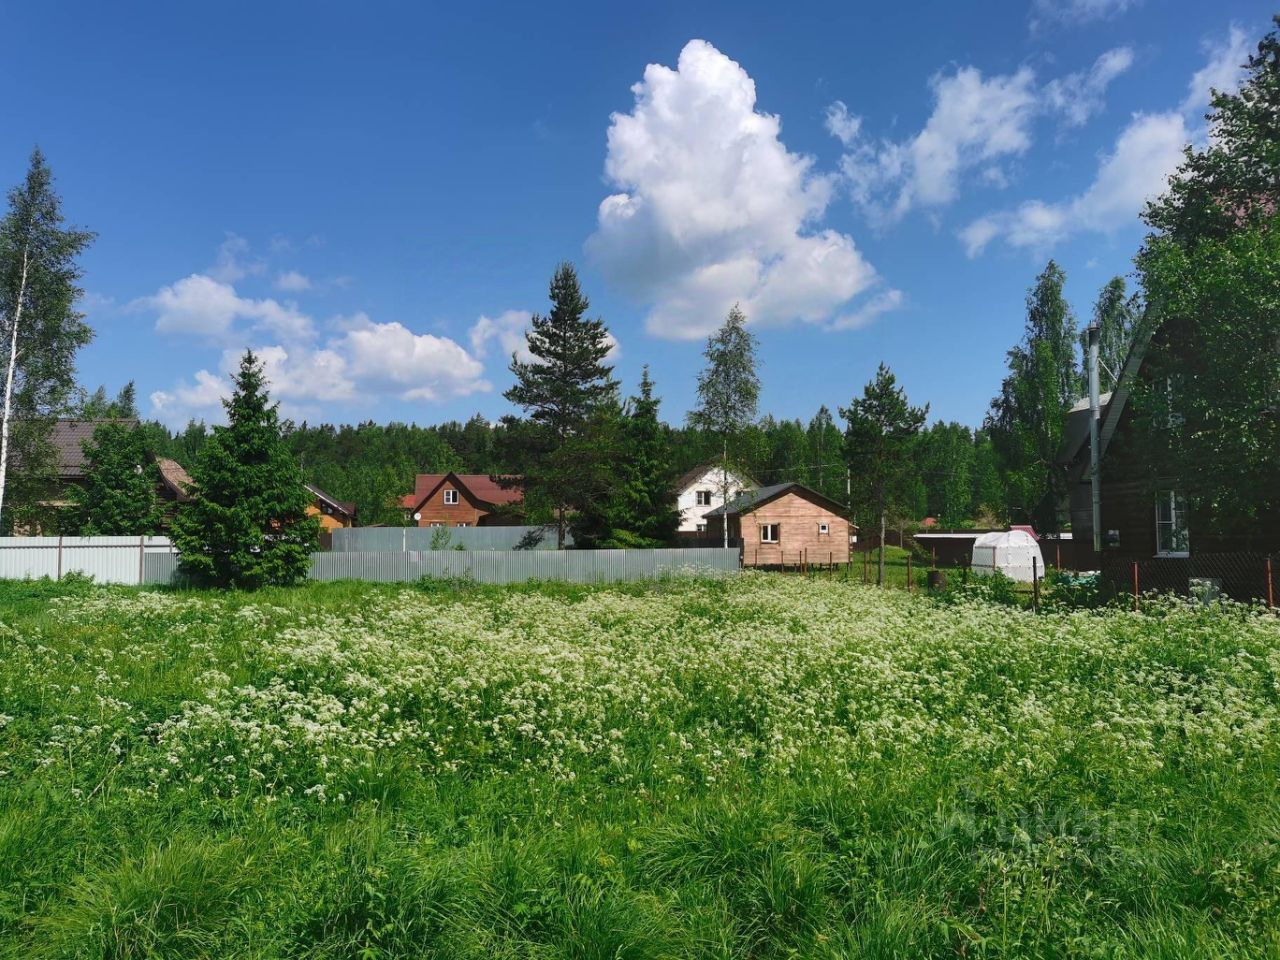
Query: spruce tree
{"type": "Point", "coordinates": [642, 505]}
{"type": "Point", "coordinates": [247, 526]}
{"type": "Point", "coordinates": [564, 390]}
{"type": "Point", "coordinates": [119, 497]}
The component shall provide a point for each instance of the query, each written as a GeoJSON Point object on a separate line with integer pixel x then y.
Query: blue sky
{"type": "Point", "coordinates": [375, 196]}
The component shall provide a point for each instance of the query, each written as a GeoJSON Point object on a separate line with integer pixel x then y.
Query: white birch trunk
{"type": "Point", "coordinates": [724, 493]}
{"type": "Point", "coordinates": [8, 382]}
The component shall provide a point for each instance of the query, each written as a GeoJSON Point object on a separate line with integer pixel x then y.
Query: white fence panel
{"type": "Point", "coordinates": [106, 559]}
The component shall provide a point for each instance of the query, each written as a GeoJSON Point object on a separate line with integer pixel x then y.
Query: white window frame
{"type": "Point", "coordinates": [702, 498]}
{"type": "Point", "coordinates": [824, 529]}
{"type": "Point", "coordinates": [771, 528]}
{"type": "Point", "coordinates": [462, 523]}
{"type": "Point", "coordinates": [451, 498]}
{"type": "Point", "coordinates": [702, 528]}
{"type": "Point", "coordinates": [1177, 505]}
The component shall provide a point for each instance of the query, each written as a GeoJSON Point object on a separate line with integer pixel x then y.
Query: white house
{"type": "Point", "coordinates": [701, 490]}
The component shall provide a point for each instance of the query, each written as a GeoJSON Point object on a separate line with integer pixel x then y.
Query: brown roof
{"type": "Point", "coordinates": [174, 477]}
{"type": "Point", "coordinates": [68, 438]}
{"type": "Point", "coordinates": [481, 486]}
{"type": "Point", "coordinates": [345, 506]}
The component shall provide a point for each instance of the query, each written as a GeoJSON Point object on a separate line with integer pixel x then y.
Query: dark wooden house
{"type": "Point", "coordinates": [1145, 517]}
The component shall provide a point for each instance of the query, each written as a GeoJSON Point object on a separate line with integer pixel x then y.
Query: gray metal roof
{"type": "Point", "coordinates": [753, 498]}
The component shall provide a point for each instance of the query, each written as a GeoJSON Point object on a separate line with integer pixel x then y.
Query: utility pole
{"type": "Point", "coordinates": [1095, 441]}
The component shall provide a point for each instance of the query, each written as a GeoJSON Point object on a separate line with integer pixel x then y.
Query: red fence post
{"type": "Point", "coordinates": [1058, 554]}
{"type": "Point", "coordinates": [1135, 586]}
{"type": "Point", "coordinates": [1271, 590]}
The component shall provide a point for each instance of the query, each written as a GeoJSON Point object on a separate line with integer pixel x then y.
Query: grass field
{"type": "Point", "coordinates": [762, 766]}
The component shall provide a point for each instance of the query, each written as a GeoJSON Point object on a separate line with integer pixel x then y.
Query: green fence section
{"type": "Point", "coordinates": [498, 566]}
{"type": "Point", "coordinates": [400, 539]}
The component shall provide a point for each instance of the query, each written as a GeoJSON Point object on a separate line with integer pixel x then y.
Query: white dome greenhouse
{"type": "Point", "coordinates": [1012, 552]}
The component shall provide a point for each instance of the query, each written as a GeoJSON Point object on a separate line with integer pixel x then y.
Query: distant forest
{"type": "Point", "coordinates": [955, 479]}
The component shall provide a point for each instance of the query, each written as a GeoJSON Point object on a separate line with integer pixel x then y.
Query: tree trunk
{"type": "Point", "coordinates": [880, 570]}
{"type": "Point", "coordinates": [8, 381]}
{"type": "Point", "coordinates": [724, 490]}
{"type": "Point", "coordinates": [559, 528]}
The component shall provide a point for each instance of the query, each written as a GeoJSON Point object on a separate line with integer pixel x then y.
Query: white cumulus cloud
{"type": "Point", "coordinates": [203, 305]}
{"type": "Point", "coordinates": [417, 365]}
{"type": "Point", "coordinates": [201, 400]}
{"type": "Point", "coordinates": [712, 208]}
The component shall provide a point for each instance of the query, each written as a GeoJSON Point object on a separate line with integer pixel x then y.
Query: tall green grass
{"type": "Point", "coordinates": [763, 766]}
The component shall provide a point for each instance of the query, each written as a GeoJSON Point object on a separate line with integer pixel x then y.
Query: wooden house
{"type": "Point", "coordinates": [332, 513]}
{"type": "Point", "coordinates": [464, 500]}
{"type": "Point", "coordinates": [1145, 517]}
{"type": "Point", "coordinates": [785, 524]}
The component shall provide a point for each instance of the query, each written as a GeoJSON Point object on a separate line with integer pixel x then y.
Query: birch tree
{"type": "Point", "coordinates": [728, 391]}
{"type": "Point", "coordinates": [39, 325]}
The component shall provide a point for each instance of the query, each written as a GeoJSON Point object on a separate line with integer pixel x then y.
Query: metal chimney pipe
{"type": "Point", "coordinates": [1095, 442]}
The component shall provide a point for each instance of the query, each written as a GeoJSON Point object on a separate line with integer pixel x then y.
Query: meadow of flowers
{"type": "Point", "coordinates": [756, 766]}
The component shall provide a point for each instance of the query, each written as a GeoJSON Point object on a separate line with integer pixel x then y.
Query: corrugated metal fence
{"type": "Point", "coordinates": [400, 539]}
{"type": "Point", "coordinates": [152, 560]}
{"type": "Point", "coordinates": [515, 566]}
{"type": "Point", "coordinates": [106, 559]}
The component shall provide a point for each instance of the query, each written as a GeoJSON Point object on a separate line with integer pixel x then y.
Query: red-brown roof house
{"type": "Point", "coordinates": [464, 500]}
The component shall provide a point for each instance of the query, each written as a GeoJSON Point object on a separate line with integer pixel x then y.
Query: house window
{"type": "Point", "coordinates": [702, 528]}
{"type": "Point", "coordinates": [769, 532]}
{"type": "Point", "coordinates": [462, 524]}
{"type": "Point", "coordinates": [435, 523]}
{"type": "Point", "coordinates": [824, 529]}
{"type": "Point", "coordinates": [1173, 539]}
{"type": "Point", "coordinates": [450, 497]}
{"type": "Point", "coordinates": [704, 498]}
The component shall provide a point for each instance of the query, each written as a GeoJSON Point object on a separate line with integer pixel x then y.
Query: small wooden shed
{"type": "Point", "coordinates": [784, 525]}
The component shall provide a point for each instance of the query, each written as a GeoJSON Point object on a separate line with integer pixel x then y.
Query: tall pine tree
{"type": "Point", "coordinates": [564, 390]}
{"type": "Point", "coordinates": [880, 439]}
{"type": "Point", "coordinates": [247, 526]}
